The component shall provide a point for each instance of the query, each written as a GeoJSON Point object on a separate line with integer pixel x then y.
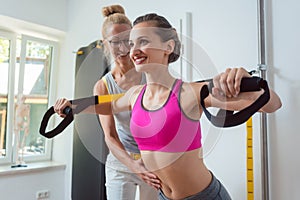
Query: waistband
{"type": "Point", "coordinates": [211, 192]}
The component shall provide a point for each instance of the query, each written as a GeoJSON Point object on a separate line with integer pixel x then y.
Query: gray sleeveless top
{"type": "Point", "coordinates": [122, 119]}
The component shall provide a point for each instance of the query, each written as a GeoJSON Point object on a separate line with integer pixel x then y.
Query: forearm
{"type": "Point", "coordinates": [237, 103]}
{"type": "Point", "coordinates": [117, 149]}
{"type": "Point", "coordinates": [245, 99]}
{"type": "Point", "coordinates": [112, 140]}
{"type": "Point", "coordinates": [135, 166]}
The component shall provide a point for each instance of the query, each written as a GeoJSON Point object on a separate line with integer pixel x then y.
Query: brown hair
{"type": "Point", "coordinates": [165, 31]}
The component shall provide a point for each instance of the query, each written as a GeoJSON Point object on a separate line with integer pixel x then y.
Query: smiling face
{"type": "Point", "coordinates": [117, 43]}
{"type": "Point", "coordinates": [147, 47]}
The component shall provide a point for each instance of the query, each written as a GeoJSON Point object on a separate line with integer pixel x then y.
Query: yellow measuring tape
{"type": "Point", "coordinates": [250, 175]}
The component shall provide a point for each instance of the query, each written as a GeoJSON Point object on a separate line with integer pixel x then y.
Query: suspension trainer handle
{"type": "Point", "coordinates": [79, 105]}
{"type": "Point", "coordinates": [227, 118]}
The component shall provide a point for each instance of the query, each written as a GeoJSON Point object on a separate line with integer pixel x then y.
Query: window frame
{"type": "Point", "coordinates": [10, 148]}
{"type": "Point", "coordinates": [10, 96]}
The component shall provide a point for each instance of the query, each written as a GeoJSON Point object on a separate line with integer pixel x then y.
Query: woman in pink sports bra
{"type": "Point", "coordinates": [166, 112]}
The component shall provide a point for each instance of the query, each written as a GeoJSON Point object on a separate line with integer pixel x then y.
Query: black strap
{"type": "Point", "coordinates": [80, 104]}
{"type": "Point", "coordinates": [62, 125]}
{"type": "Point", "coordinates": [227, 118]}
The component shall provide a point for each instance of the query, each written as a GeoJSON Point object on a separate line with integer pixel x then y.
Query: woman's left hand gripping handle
{"type": "Point", "coordinates": [62, 107]}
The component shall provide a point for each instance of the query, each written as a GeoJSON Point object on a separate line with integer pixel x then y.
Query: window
{"type": "Point", "coordinates": [26, 68]}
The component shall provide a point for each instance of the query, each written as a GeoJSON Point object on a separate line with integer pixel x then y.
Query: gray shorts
{"type": "Point", "coordinates": [214, 191]}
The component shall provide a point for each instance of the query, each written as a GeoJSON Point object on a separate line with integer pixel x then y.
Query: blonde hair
{"type": "Point", "coordinates": [114, 14]}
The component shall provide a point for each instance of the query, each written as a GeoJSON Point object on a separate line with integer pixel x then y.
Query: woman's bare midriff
{"type": "Point", "coordinates": [182, 174]}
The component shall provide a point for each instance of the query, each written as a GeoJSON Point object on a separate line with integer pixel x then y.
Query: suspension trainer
{"type": "Point", "coordinates": [224, 118]}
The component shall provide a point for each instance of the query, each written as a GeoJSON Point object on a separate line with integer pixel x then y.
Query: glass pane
{"type": "Point", "coordinates": [38, 61]}
{"type": "Point", "coordinates": [34, 143]}
{"type": "Point", "coordinates": [35, 91]}
{"type": "Point", "coordinates": [4, 70]}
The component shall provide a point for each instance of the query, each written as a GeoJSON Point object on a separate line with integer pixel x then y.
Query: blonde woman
{"type": "Point", "coordinates": [124, 157]}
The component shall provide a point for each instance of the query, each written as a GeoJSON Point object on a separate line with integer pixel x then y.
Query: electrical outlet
{"type": "Point", "coordinates": [43, 195]}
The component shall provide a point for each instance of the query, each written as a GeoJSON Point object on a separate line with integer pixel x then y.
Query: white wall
{"type": "Point", "coordinates": [227, 31]}
{"type": "Point", "coordinates": [284, 137]}
{"type": "Point", "coordinates": [48, 13]}
{"type": "Point", "coordinates": [18, 185]}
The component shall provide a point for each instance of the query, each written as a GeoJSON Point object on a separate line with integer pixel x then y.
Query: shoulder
{"type": "Point", "coordinates": [127, 101]}
{"type": "Point", "coordinates": [192, 90]}
{"type": "Point", "coordinates": [100, 88]}
{"type": "Point", "coordinates": [133, 93]}
{"type": "Point", "coordinates": [194, 87]}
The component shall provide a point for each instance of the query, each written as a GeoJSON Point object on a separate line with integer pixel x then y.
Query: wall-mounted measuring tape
{"type": "Point", "coordinates": [250, 175]}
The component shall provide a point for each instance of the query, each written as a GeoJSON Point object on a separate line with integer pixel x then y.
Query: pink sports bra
{"type": "Point", "coordinates": [166, 129]}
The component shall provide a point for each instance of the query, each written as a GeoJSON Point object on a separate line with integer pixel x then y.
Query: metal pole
{"type": "Point", "coordinates": [189, 46]}
{"type": "Point", "coordinates": [263, 117]}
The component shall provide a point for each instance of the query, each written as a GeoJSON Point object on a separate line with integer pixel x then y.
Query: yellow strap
{"type": "Point", "coordinates": [250, 176]}
{"type": "Point", "coordinates": [109, 97]}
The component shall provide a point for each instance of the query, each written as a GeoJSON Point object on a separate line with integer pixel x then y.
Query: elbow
{"type": "Point", "coordinates": [279, 105]}
{"type": "Point", "coordinates": [273, 105]}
